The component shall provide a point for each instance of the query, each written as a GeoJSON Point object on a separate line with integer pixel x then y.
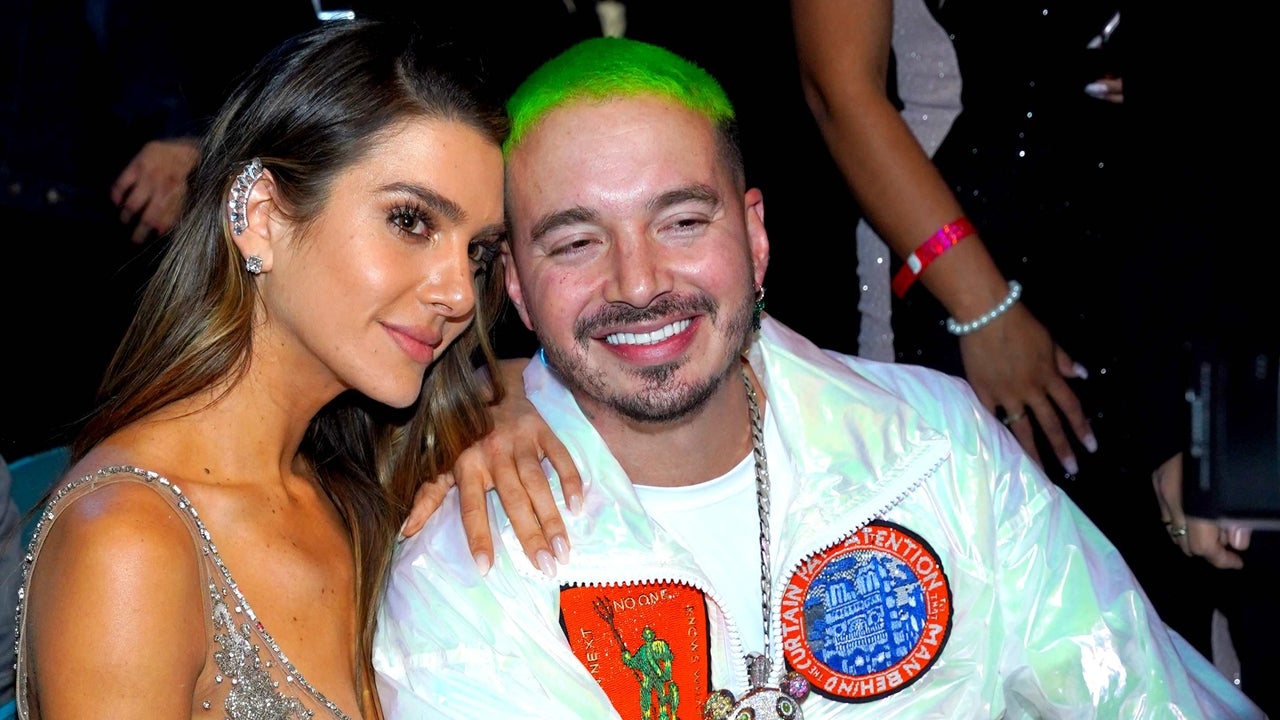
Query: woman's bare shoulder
{"type": "Point", "coordinates": [121, 528]}
{"type": "Point", "coordinates": [117, 583]}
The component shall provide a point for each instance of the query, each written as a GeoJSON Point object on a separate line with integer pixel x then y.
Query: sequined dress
{"type": "Point", "coordinates": [255, 679]}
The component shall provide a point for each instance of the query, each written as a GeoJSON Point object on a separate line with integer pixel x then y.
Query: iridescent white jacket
{"type": "Point", "coordinates": [1046, 619]}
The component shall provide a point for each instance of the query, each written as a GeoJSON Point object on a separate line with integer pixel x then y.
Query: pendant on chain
{"type": "Point", "coordinates": [760, 701]}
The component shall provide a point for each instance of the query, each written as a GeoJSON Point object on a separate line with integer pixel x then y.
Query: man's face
{"type": "Point", "coordinates": [636, 254]}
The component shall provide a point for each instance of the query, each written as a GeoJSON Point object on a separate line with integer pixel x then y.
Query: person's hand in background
{"type": "Point", "coordinates": [151, 188]}
{"type": "Point", "coordinates": [1219, 543]}
{"type": "Point", "coordinates": [1014, 364]}
{"type": "Point", "coordinates": [1110, 89]}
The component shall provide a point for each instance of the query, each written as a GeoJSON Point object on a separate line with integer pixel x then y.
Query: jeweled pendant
{"type": "Point", "coordinates": [761, 702]}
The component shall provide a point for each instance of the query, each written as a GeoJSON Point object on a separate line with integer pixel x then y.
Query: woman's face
{"type": "Point", "coordinates": [380, 284]}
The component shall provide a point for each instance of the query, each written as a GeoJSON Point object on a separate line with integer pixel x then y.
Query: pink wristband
{"type": "Point", "coordinates": [941, 241]}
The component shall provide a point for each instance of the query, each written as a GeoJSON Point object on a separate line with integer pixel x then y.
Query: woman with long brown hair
{"type": "Point", "coordinates": [301, 360]}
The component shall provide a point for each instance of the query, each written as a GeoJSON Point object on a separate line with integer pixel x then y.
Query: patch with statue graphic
{"type": "Point", "coordinates": [646, 644]}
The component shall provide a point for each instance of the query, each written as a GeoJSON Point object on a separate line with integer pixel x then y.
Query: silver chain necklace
{"type": "Point", "coordinates": [761, 699]}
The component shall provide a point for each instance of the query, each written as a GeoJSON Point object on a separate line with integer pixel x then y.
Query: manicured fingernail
{"type": "Point", "coordinates": [546, 564]}
{"type": "Point", "coordinates": [400, 534]}
{"type": "Point", "coordinates": [1237, 538]}
{"type": "Point", "coordinates": [1081, 371]}
{"type": "Point", "coordinates": [1069, 464]}
{"type": "Point", "coordinates": [1096, 89]}
{"type": "Point", "coordinates": [575, 504]}
{"type": "Point", "coordinates": [483, 563]}
{"type": "Point", "coordinates": [561, 548]}
{"type": "Point", "coordinates": [1090, 443]}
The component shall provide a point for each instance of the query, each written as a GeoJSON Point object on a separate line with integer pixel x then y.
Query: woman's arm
{"type": "Point", "coordinates": [843, 49]}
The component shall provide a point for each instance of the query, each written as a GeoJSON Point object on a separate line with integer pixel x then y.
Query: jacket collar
{"type": "Point", "coordinates": [856, 449]}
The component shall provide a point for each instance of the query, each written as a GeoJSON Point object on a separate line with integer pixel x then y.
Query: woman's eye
{"type": "Point", "coordinates": [413, 221]}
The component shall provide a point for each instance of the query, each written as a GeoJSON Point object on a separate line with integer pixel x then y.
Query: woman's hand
{"type": "Point", "coordinates": [1014, 364]}
{"type": "Point", "coordinates": [509, 460]}
{"type": "Point", "coordinates": [1217, 542]}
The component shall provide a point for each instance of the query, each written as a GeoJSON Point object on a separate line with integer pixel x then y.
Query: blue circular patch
{"type": "Point", "coordinates": [869, 616]}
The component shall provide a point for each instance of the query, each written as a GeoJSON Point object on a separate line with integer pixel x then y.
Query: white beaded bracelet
{"type": "Point", "coordinates": [958, 328]}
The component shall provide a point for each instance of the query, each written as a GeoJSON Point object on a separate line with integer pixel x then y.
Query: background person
{"type": "Point", "coordinates": [930, 123]}
{"type": "Point", "coordinates": [10, 575]}
{"type": "Point", "coordinates": [1193, 299]}
{"type": "Point", "coordinates": [93, 97]}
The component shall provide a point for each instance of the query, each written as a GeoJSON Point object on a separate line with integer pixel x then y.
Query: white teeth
{"type": "Point", "coordinates": [649, 338]}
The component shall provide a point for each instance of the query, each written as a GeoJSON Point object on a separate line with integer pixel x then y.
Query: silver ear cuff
{"type": "Point", "coordinates": [240, 196]}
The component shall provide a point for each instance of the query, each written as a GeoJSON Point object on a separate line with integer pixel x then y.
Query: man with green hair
{"type": "Point", "coordinates": [813, 535]}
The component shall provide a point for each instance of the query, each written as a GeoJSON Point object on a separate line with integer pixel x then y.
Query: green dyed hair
{"type": "Point", "coordinates": [608, 67]}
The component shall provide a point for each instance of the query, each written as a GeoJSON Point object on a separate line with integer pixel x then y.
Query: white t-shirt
{"type": "Point", "coordinates": [720, 521]}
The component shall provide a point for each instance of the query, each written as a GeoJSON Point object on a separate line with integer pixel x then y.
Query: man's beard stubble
{"type": "Point", "coordinates": [657, 402]}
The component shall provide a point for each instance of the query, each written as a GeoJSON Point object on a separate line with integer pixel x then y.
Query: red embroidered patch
{"type": "Point", "coordinates": [869, 616]}
{"type": "Point", "coordinates": [645, 644]}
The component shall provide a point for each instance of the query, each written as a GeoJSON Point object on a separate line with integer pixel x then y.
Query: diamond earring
{"type": "Point", "coordinates": [240, 196]}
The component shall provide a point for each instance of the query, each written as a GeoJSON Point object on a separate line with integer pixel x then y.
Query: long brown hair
{"type": "Point", "coordinates": [310, 109]}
